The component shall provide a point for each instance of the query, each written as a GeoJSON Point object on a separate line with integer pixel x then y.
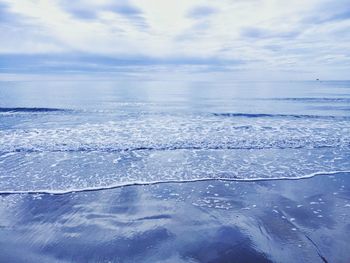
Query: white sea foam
{"type": "Point", "coordinates": [147, 149]}
{"type": "Point", "coordinates": [75, 171]}
{"type": "Point", "coordinates": [136, 183]}
{"type": "Point", "coordinates": [181, 132]}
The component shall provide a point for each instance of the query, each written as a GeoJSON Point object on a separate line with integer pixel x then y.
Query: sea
{"type": "Point", "coordinates": [174, 171]}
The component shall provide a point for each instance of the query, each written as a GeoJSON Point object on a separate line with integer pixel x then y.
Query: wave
{"type": "Point", "coordinates": [310, 99]}
{"type": "Point", "coordinates": [140, 183]}
{"type": "Point", "coordinates": [266, 115]}
{"type": "Point", "coordinates": [27, 109]}
{"type": "Point", "coordinates": [76, 171]}
{"type": "Point", "coordinates": [176, 133]}
{"type": "Point", "coordinates": [170, 148]}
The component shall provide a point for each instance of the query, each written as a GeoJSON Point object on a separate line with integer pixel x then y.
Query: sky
{"type": "Point", "coordinates": [243, 39]}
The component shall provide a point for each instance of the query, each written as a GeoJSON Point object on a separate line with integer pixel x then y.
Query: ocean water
{"type": "Point", "coordinates": [157, 171]}
{"type": "Point", "coordinates": [73, 136]}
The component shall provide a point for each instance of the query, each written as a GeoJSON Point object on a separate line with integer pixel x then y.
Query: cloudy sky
{"type": "Point", "coordinates": [299, 39]}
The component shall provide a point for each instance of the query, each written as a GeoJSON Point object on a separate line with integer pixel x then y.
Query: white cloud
{"type": "Point", "coordinates": [265, 34]}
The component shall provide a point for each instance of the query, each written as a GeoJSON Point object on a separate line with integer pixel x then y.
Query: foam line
{"type": "Point", "coordinates": [119, 185]}
{"type": "Point", "coordinates": [170, 148]}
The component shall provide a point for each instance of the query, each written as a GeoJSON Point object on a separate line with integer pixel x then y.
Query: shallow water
{"type": "Point", "coordinates": [72, 136]}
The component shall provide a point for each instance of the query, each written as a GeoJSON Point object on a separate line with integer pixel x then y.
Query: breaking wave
{"type": "Point", "coordinates": [141, 149]}
{"type": "Point", "coordinates": [263, 115]}
{"type": "Point", "coordinates": [25, 109]}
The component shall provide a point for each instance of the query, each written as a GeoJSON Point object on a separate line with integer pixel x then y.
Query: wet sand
{"type": "Point", "coordinates": [303, 220]}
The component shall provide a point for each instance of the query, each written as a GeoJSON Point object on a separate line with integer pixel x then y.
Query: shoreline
{"type": "Point", "coordinates": [120, 185]}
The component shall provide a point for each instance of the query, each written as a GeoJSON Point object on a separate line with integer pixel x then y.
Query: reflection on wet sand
{"type": "Point", "coordinates": [215, 221]}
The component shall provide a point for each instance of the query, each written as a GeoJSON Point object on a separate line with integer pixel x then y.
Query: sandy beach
{"type": "Point", "coordinates": [216, 221]}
